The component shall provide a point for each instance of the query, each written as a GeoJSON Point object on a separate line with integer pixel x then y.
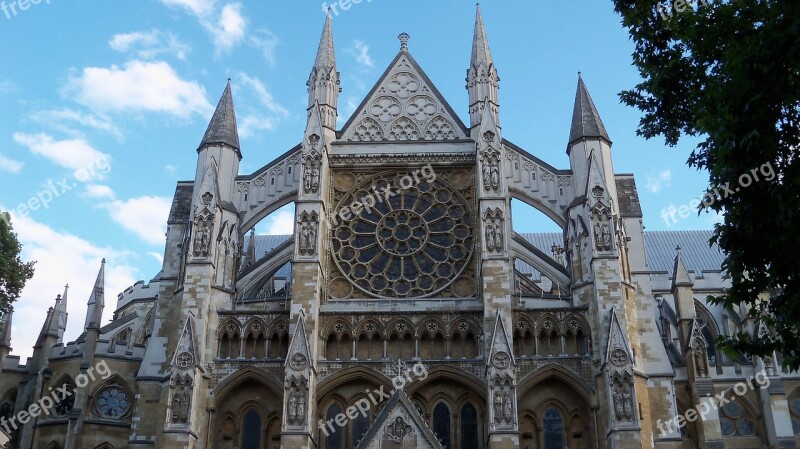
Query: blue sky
{"type": "Point", "coordinates": [106, 102]}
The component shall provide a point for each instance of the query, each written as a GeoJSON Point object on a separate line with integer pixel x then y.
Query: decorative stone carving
{"type": "Point", "coordinates": [182, 387]}
{"type": "Point", "coordinates": [311, 173]}
{"type": "Point", "coordinates": [296, 406]}
{"type": "Point", "coordinates": [202, 236]}
{"type": "Point", "coordinates": [602, 230]}
{"type": "Point", "coordinates": [501, 360]}
{"type": "Point", "coordinates": [700, 358]}
{"type": "Point", "coordinates": [185, 360]}
{"type": "Point", "coordinates": [308, 228]}
{"type": "Point", "coordinates": [503, 406]}
{"type": "Point", "coordinates": [397, 430]}
{"type": "Point", "coordinates": [619, 357]}
{"type": "Point", "coordinates": [490, 167]}
{"type": "Point", "coordinates": [298, 362]}
{"type": "Point", "coordinates": [493, 225]}
{"type": "Point", "coordinates": [622, 400]}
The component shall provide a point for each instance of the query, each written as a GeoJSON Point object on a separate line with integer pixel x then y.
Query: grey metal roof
{"type": "Point", "coordinates": [697, 255]}
{"type": "Point", "coordinates": [267, 243]}
{"type": "Point", "coordinates": [222, 128]}
{"type": "Point", "coordinates": [585, 118]}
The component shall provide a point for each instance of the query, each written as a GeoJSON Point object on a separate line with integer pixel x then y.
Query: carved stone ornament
{"type": "Point", "coordinates": [298, 362]}
{"type": "Point", "coordinates": [501, 360]}
{"type": "Point", "coordinates": [398, 429]}
{"type": "Point", "coordinates": [185, 360]}
{"type": "Point", "coordinates": [619, 357]}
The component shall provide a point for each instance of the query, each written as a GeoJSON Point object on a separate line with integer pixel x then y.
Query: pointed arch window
{"type": "Point", "coordinates": [441, 424]}
{"type": "Point", "coordinates": [469, 427]}
{"type": "Point", "coordinates": [360, 428]}
{"type": "Point", "coordinates": [251, 430]}
{"type": "Point", "coordinates": [553, 429]}
{"type": "Point", "coordinates": [334, 439]}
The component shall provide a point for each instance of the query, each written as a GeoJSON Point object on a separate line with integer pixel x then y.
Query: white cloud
{"type": "Point", "coordinates": [150, 44]}
{"type": "Point", "coordinates": [170, 169]}
{"type": "Point", "coordinates": [8, 87]}
{"type": "Point", "coordinates": [360, 51]}
{"type": "Point", "coordinates": [280, 223]}
{"type": "Point", "coordinates": [250, 124]}
{"type": "Point", "coordinates": [63, 258]}
{"type": "Point", "coordinates": [76, 154]}
{"type": "Point", "coordinates": [98, 191]}
{"type": "Point", "coordinates": [145, 216]}
{"type": "Point", "coordinates": [227, 26]}
{"type": "Point", "coordinates": [57, 118]}
{"type": "Point", "coordinates": [263, 95]}
{"type": "Point", "coordinates": [157, 256]}
{"type": "Point", "coordinates": [10, 165]}
{"type": "Point", "coordinates": [659, 181]}
{"type": "Point", "coordinates": [139, 86]}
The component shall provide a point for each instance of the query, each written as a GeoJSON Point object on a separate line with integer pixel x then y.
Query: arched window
{"type": "Point", "coordinates": [469, 427]}
{"type": "Point", "coordinates": [441, 424]}
{"type": "Point", "coordinates": [735, 419]}
{"type": "Point", "coordinates": [360, 428]}
{"type": "Point", "coordinates": [251, 430]}
{"type": "Point", "coordinates": [553, 429]}
{"type": "Point", "coordinates": [333, 440]}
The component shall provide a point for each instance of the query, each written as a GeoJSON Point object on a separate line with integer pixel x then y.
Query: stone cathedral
{"type": "Point", "coordinates": [405, 265]}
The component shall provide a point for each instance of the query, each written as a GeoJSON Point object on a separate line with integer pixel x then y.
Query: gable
{"type": "Point", "coordinates": [399, 425]}
{"type": "Point", "coordinates": [404, 105]}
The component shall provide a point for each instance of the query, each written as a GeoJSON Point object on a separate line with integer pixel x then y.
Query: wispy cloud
{"type": "Point", "coordinates": [61, 119]}
{"type": "Point", "coordinates": [264, 40]}
{"type": "Point", "coordinates": [98, 191]}
{"type": "Point", "coordinates": [8, 87]}
{"type": "Point", "coordinates": [139, 86]}
{"type": "Point", "coordinates": [74, 154]}
{"type": "Point", "coordinates": [655, 183]}
{"type": "Point", "coordinates": [227, 25]}
{"type": "Point", "coordinates": [360, 52]}
{"type": "Point", "coordinates": [150, 44]}
{"type": "Point", "coordinates": [10, 165]}
{"type": "Point", "coordinates": [252, 120]}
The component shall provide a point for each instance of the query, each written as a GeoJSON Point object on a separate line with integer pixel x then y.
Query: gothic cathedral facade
{"type": "Point", "coordinates": [406, 311]}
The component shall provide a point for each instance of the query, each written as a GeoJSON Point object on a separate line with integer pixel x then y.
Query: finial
{"type": "Point", "coordinates": [58, 297]}
{"type": "Point", "coordinates": [404, 37]}
{"type": "Point", "coordinates": [103, 261]}
{"type": "Point", "coordinates": [678, 248]}
{"type": "Point", "coordinates": [579, 74]}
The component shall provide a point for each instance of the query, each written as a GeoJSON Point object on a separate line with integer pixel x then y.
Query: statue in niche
{"type": "Point", "coordinates": [493, 229]}
{"type": "Point", "coordinates": [487, 176]}
{"type": "Point", "coordinates": [700, 360]}
{"type": "Point", "coordinates": [185, 407]}
{"type": "Point", "coordinates": [495, 176]}
{"type": "Point", "coordinates": [618, 407]}
{"type": "Point", "coordinates": [202, 238]}
{"type": "Point", "coordinates": [311, 175]}
{"type": "Point", "coordinates": [292, 407]}
{"type": "Point", "coordinates": [602, 234]}
{"type": "Point", "coordinates": [627, 404]}
{"type": "Point", "coordinates": [308, 235]}
{"type": "Point", "coordinates": [508, 408]}
{"type": "Point", "coordinates": [176, 407]}
{"type": "Point", "coordinates": [498, 236]}
{"type": "Point", "coordinates": [491, 171]}
{"type": "Point", "coordinates": [606, 236]}
{"type": "Point", "coordinates": [301, 409]}
{"type": "Point", "coordinates": [498, 407]}
{"type": "Point", "coordinates": [490, 237]}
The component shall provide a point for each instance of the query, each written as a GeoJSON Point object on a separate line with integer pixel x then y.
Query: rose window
{"type": "Point", "coordinates": [113, 403]}
{"type": "Point", "coordinates": [410, 241]}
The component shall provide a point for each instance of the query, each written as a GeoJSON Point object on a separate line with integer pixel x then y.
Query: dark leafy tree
{"type": "Point", "coordinates": [728, 73]}
{"type": "Point", "coordinates": [13, 271]}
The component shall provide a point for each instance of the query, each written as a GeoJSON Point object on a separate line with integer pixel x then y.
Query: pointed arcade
{"type": "Point", "coordinates": [222, 128]}
{"type": "Point", "coordinates": [586, 122]}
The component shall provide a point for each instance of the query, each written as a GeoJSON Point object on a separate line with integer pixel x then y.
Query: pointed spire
{"type": "Point", "coordinates": [50, 326]}
{"type": "Point", "coordinates": [323, 83]}
{"type": "Point", "coordinates": [222, 128]}
{"type": "Point", "coordinates": [94, 311]}
{"type": "Point", "coordinates": [480, 44]}
{"type": "Point", "coordinates": [586, 122]}
{"type": "Point", "coordinates": [680, 275]}
{"type": "Point", "coordinates": [326, 55]}
{"type": "Point", "coordinates": [61, 308]}
{"type": "Point", "coordinates": [5, 330]}
{"type": "Point", "coordinates": [483, 82]}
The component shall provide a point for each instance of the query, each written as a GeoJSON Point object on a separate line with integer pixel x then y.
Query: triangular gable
{"type": "Point", "coordinates": [399, 425]}
{"type": "Point", "coordinates": [186, 345]}
{"type": "Point", "coordinates": [404, 105]}
{"type": "Point", "coordinates": [500, 354]}
{"type": "Point", "coordinates": [299, 355]}
{"type": "Point", "coordinates": [618, 352]}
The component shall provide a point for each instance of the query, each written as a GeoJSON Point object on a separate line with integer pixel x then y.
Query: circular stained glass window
{"type": "Point", "coordinates": [394, 237]}
{"type": "Point", "coordinates": [733, 409]}
{"type": "Point", "coordinates": [745, 426]}
{"type": "Point", "coordinates": [727, 427]}
{"type": "Point", "coordinates": [112, 403]}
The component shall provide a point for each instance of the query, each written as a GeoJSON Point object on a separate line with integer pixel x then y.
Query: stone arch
{"type": "Point", "coordinates": [235, 396]}
{"type": "Point", "coordinates": [369, 339]}
{"type": "Point", "coordinates": [116, 388]}
{"type": "Point", "coordinates": [555, 386]}
{"type": "Point", "coordinates": [249, 281]}
{"type": "Point", "coordinates": [734, 424]}
{"type": "Point", "coordinates": [358, 373]}
{"type": "Point", "coordinates": [229, 336]}
{"type": "Point", "coordinates": [539, 204]}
